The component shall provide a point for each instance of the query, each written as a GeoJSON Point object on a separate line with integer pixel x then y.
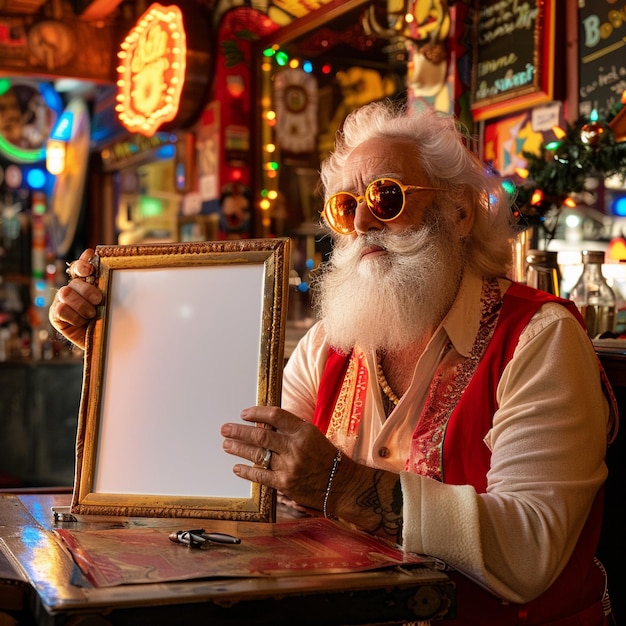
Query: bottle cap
{"type": "Point", "coordinates": [592, 256]}
{"type": "Point", "coordinates": [541, 257]}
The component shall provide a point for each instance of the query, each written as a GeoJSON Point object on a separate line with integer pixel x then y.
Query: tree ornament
{"type": "Point", "coordinates": [591, 134]}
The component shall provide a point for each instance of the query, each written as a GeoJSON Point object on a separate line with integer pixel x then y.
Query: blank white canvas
{"type": "Point", "coordinates": [182, 350]}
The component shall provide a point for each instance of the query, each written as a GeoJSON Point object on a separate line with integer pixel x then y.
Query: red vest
{"type": "Point", "coordinates": [574, 599]}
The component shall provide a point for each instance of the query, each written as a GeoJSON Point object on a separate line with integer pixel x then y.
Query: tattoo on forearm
{"type": "Point", "coordinates": [387, 511]}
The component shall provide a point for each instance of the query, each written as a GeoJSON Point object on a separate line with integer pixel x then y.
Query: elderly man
{"type": "Point", "coordinates": [435, 403]}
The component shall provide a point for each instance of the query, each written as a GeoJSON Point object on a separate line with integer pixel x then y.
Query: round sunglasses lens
{"type": "Point", "coordinates": [385, 199]}
{"type": "Point", "coordinates": [339, 212]}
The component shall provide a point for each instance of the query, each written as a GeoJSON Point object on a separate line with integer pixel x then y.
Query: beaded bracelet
{"type": "Point", "coordinates": [333, 471]}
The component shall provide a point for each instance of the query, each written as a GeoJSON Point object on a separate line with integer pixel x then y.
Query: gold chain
{"type": "Point", "coordinates": [384, 385]}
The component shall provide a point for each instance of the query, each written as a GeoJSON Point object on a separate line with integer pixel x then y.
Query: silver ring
{"type": "Point", "coordinates": [267, 457]}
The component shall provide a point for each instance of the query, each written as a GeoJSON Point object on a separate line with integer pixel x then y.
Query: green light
{"type": "Point", "coordinates": [264, 193]}
{"type": "Point", "coordinates": [20, 155]}
{"type": "Point", "coordinates": [282, 58]}
{"type": "Point", "coordinates": [5, 85]}
{"type": "Point", "coordinates": [150, 207]}
{"type": "Point", "coordinates": [553, 145]}
{"type": "Point", "coordinates": [508, 186]}
{"type": "Point", "coordinates": [269, 52]}
{"type": "Point", "coordinates": [272, 165]}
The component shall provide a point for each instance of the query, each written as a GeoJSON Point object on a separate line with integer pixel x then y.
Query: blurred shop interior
{"type": "Point", "coordinates": [126, 122]}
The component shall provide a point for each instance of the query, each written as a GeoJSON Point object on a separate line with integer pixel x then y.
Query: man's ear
{"type": "Point", "coordinates": [465, 216]}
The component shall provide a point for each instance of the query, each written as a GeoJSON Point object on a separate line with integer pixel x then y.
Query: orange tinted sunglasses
{"type": "Point", "coordinates": [384, 197]}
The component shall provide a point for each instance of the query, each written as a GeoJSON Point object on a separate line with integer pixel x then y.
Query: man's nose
{"type": "Point", "coordinates": [365, 220]}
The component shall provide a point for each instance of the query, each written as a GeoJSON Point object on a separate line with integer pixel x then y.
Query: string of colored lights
{"type": "Point", "coordinates": [274, 59]}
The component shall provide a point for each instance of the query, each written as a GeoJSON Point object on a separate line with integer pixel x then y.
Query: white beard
{"type": "Point", "coordinates": [389, 301]}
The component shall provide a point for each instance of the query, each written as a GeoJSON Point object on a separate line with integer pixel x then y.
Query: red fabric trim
{"type": "Point", "coordinates": [329, 388]}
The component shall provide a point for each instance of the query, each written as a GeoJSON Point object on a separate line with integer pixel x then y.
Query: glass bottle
{"type": "Point", "coordinates": [593, 296]}
{"type": "Point", "coordinates": [543, 271]}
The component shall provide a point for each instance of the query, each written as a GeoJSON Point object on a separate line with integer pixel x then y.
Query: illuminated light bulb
{"type": "Point", "coordinates": [55, 156]}
{"type": "Point", "coordinates": [553, 145]}
{"type": "Point", "coordinates": [307, 66]}
{"type": "Point", "coordinates": [270, 147]}
{"type": "Point", "coordinates": [271, 174]}
{"type": "Point", "coordinates": [272, 195]}
{"type": "Point", "coordinates": [270, 115]}
{"type": "Point", "coordinates": [408, 18]}
{"type": "Point", "coordinates": [570, 202]}
{"type": "Point", "coordinates": [36, 178]}
{"type": "Point", "coordinates": [294, 63]}
{"type": "Point", "coordinates": [537, 197]}
{"type": "Point", "coordinates": [523, 173]}
{"type": "Point", "coordinates": [264, 205]}
{"type": "Point", "coordinates": [593, 117]}
{"type": "Point", "coordinates": [559, 132]}
{"type": "Point", "coordinates": [508, 186]}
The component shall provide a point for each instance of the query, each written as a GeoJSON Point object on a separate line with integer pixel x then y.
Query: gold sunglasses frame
{"type": "Point", "coordinates": [365, 197]}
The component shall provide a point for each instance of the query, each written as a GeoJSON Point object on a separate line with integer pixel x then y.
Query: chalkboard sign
{"type": "Point", "coordinates": [602, 55]}
{"type": "Point", "coordinates": [513, 56]}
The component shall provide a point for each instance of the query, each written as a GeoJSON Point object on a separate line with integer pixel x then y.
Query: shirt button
{"type": "Point", "coordinates": [383, 452]}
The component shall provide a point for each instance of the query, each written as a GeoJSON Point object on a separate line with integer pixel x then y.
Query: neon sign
{"type": "Point", "coordinates": [152, 68]}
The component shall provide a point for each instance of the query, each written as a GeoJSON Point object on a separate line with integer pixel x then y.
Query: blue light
{"type": "Point", "coordinates": [36, 178]}
{"type": "Point", "coordinates": [181, 178]}
{"type": "Point", "coordinates": [619, 207]}
{"type": "Point", "coordinates": [40, 301]}
{"type": "Point", "coordinates": [63, 130]}
{"type": "Point", "coordinates": [307, 66]}
{"type": "Point", "coordinates": [310, 264]}
{"type": "Point", "coordinates": [303, 287]}
{"type": "Point", "coordinates": [51, 97]}
{"type": "Point", "coordinates": [166, 152]}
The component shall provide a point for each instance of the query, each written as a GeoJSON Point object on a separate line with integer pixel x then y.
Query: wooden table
{"type": "Point", "coordinates": [36, 572]}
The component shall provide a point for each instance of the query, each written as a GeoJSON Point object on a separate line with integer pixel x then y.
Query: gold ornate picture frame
{"type": "Point", "coordinates": [188, 335]}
